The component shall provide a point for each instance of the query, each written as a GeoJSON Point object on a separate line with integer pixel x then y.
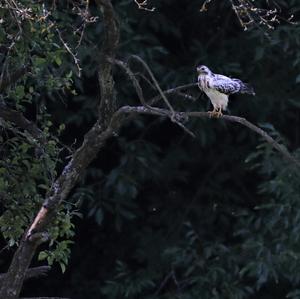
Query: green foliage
{"type": "Point", "coordinates": [164, 215]}
{"type": "Point", "coordinates": [60, 234]}
{"type": "Point", "coordinates": [127, 284]}
{"type": "Point", "coordinates": [263, 247]}
{"type": "Point", "coordinates": [27, 172]}
{"type": "Point", "coordinates": [27, 167]}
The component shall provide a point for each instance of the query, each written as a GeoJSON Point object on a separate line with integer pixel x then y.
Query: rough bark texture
{"type": "Point", "coordinates": [108, 98]}
{"type": "Point", "coordinates": [93, 141]}
{"type": "Point", "coordinates": [15, 276]}
{"type": "Point", "coordinates": [31, 273]}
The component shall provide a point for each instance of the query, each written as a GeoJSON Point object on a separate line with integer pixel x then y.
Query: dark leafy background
{"type": "Point", "coordinates": [165, 215]}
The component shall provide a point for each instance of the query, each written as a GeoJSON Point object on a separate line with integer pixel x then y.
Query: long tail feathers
{"type": "Point", "coordinates": [246, 88]}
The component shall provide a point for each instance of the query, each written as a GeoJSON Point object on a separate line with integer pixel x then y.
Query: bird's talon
{"type": "Point", "coordinates": [219, 114]}
{"type": "Point", "coordinates": [214, 113]}
{"type": "Point", "coordinates": [210, 113]}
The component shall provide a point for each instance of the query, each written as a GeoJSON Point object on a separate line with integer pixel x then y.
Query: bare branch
{"type": "Point", "coordinates": [74, 55]}
{"type": "Point", "coordinates": [145, 65]}
{"type": "Point", "coordinates": [143, 5]}
{"type": "Point", "coordinates": [139, 92]}
{"type": "Point", "coordinates": [280, 148]}
{"type": "Point", "coordinates": [133, 79]}
{"type": "Point", "coordinates": [186, 96]}
{"type": "Point", "coordinates": [185, 115]}
{"type": "Point", "coordinates": [147, 80]}
{"type": "Point", "coordinates": [171, 91]}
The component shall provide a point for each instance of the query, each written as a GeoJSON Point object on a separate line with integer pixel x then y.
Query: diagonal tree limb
{"type": "Point", "coordinates": [134, 81]}
{"type": "Point", "coordinates": [185, 115]}
{"type": "Point", "coordinates": [243, 121]}
{"type": "Point", "coordinates": [94, 140]}
{"type": "Point", "coordinates": [139, 92]}
{"type": "Point", "coordinates": [96, 136]}
{"type": "Point", "coordinates": [145, 65]}
{"type": "Point", "coordinates": [176, 90]}
{"type": "Point", "coordinates": [172, 91]}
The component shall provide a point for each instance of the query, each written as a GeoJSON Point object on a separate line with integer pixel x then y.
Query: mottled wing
{"type": "Point", "coordinates": [225, 84]}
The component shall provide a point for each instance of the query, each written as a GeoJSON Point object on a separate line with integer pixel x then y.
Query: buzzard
{"type": "Point", "coordinates": [219, 87]}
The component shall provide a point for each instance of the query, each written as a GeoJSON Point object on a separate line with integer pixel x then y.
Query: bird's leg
{"type": "Point", "coordinates": [219, 112]}
{"type": "Point", "coordinates": [211, 113]}
{"type": "Point", "coordinates": [215, 112]}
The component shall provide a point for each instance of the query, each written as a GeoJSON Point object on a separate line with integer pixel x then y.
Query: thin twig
{"type": "Point", "coordinates": [171, 114]}
{"type": "Point", "coordinates": [76, 60]}
{"type": "Point", "coordinates": [186, 96]}
{"type": "Point", "coordinates": [134, 81]}
{"type": "Point", "coordinates": [145, 65]}
{"type": "Point", "coordinates": [143, 5]}
{"type": "Point", "coordinates": [138, 74]}
{"type": "Point", "coordinates": [171, 91]}
{"type": "Point", "coordinates": [139, 92]}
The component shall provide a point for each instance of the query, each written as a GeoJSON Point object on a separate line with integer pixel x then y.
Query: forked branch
{"type": "Point", "coordinates": [169, 113]}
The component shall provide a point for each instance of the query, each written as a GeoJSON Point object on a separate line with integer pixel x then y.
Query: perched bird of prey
{"type": "Point", "coordinates": [219, 87]}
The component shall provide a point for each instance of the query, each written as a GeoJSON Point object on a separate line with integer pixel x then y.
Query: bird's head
{"type": "Point", "coordinates": [203, 70]}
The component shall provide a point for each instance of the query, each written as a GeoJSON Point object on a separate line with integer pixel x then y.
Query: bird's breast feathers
{"type": "Point", "coordinates": [218, 99]}
{"type": "Point", "coordinates": [204, 82]}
